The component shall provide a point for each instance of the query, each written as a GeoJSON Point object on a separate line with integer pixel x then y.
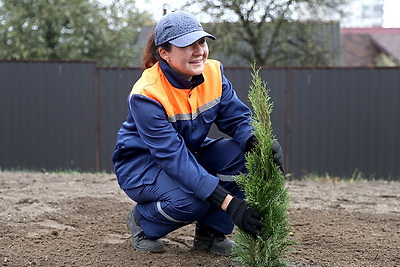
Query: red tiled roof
{"type": "Point", "coordinates": [370, 30]}
{"type": "Point", "coordinates": [358, 50]}
{"type": "Point", "coordinates": [362, 45]}
{"type": "Point", "coordinates": [388, 43]}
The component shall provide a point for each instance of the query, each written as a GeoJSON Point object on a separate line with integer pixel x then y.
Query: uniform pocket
{"type": "Point", "coordinates": [208, 116]}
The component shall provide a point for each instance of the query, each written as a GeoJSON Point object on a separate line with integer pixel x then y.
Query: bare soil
{"type": "Point", "coordinates": [53, 219]}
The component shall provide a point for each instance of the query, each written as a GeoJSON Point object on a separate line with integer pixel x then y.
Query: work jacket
{"type": "Point", "coordinates": [168, 122]}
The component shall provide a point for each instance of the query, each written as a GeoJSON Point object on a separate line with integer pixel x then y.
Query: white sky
{"type": "Point", "coordinates": [391, 18]}
{"type": "Point", "coordinates": [391, 9]}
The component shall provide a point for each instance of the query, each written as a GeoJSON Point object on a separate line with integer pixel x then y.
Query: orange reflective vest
{"type": "Point", "coordinates": [182, 104]}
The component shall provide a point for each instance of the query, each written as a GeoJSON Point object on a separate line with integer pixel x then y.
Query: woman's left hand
{"type": "Point", "coordinates": [277, 152]}
{"type": "Point", "coordinates": [278, 156]}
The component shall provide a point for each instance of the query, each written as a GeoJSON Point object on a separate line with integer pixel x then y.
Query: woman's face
{"type": "Point", "coordinates": [187, 61]}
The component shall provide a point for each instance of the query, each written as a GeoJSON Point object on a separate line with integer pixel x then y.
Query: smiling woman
{"type": "Point", "coordinates": [188, 50]}
{"type": "Point", "coordinates": [164, 160]}
{"type": "Point", "coordinates": [187, 61]}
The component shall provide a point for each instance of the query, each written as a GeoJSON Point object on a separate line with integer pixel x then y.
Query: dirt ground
{"type": "Point", "coordinates": [53, 219]}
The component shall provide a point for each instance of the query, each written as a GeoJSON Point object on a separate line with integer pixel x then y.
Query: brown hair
{"type": "Point", "coordinates": [150, 54]}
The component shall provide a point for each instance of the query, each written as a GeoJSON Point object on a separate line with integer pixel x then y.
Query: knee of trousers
{"type": "Point", "coordinates": [183, 210]}
{"type": "Point", "coordinates": [179, 211]}
{"type": "Point", "coordinates": [160, 218]}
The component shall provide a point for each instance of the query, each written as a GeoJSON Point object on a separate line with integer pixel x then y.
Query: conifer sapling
{"type": "Point", "coordinates": [265, 189]}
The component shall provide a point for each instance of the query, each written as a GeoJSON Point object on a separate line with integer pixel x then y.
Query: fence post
{"type": "Point", "coordinates": [97, 119]}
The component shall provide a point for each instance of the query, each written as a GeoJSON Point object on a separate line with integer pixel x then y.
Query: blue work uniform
{"type": "Point", "coordinates": [163, 158]}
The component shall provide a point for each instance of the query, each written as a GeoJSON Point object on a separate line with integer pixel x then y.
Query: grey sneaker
{"type": "Point", "coordinates": [139, 240]}
{"type": "Point", "coordinates": [208, 239]}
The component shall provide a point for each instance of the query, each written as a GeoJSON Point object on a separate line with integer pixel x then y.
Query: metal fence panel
{"type": "Point", "coordinates": [65, 115]}
{"type": "Point", "coordinates": [114, 86]}
{"type": "Point", "coordinates": [344, 121]}
{"type": "Point", "coordinates": [47, 115]}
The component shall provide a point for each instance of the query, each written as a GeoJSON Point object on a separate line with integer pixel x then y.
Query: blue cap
{"type": "Point", "coordinates": [180, 29]}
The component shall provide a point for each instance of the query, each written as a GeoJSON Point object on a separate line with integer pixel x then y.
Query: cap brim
{"type": "Point", "coordinates": [190, 38]}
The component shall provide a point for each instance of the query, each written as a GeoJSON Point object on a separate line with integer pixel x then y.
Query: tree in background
{"type": "Point", "coordinates": [71, 30]}
{"type": "Point", "coordinates": [270, 32]}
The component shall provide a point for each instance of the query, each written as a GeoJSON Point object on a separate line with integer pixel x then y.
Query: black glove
{"type": "Point", "coordinates": [278, 155]}
{"type": "Point", "coordinates": [245, 217]}
{"type": "Point", "coordinates": [277, 152]}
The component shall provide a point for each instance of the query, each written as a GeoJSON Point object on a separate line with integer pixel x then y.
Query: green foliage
{"type": "Point", "coordinates": [383, 60]}
{"type": "Point", "coordinates": [265, 189]}
{"type": "Point", "coordinates": [70, 30]}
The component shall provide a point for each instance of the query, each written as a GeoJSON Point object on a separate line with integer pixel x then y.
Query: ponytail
{"type": "Point", "coordinates": [150, 54]}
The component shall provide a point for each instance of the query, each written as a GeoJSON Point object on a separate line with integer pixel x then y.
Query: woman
{"type": "Point", "coordinates": [163, 159]}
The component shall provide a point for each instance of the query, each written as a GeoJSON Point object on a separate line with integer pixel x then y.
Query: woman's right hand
{"type": "Point", "coordinates": [245, 217]}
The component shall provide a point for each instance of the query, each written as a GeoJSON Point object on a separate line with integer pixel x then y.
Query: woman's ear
{"type": "Point", "coordinates": [163, 54]}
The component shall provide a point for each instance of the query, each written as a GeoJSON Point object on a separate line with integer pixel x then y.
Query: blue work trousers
{"type": "Point", "coordinates": [164, 206]}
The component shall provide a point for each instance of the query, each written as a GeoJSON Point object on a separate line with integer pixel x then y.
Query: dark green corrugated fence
{"type": "Point", "coordinates": [65, 115]}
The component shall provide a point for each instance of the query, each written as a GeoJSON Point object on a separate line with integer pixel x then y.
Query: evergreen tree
{"type": "Point", "coordinates": [265, 189]}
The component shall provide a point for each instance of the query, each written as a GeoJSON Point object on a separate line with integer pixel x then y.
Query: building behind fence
{"type": "Point", "coordinates": [336, 121]}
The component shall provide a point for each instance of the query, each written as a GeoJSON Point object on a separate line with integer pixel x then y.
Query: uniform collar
{"type": "Point", "coordinates": [176, 80]}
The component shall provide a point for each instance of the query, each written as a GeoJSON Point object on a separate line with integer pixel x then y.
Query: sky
{"type": "Point", "coordinates": [391, 9]}
{"type": "Point", "coordinates": [391, 18]}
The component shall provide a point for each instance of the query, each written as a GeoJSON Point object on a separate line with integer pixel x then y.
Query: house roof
{"type": "Point", "coordinates": [375, 30]}
{"type": "Point", "coordinates": [388, 43]}
{"type": "Point", "coordinates": [386, 40]}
